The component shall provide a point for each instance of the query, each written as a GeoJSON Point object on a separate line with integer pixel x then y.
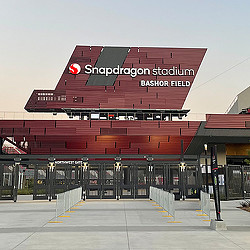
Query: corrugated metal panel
{"type": "Point", "coordinates": [68, 137]}
{"type": "Point", "coordinates": [226, 121]}
{"type": "Point", "coordinates": [113, 131]}
{"type": "Point", "coordinates": [21, 131]}
{"type": "Point", "coordinates": [100, 124]}
{"type": "Point", "coordinates": [40, 124]}
{"type": "Point", "coordinates": [11, 124]}
{"type": "Point", "coordinates": [7, 131]}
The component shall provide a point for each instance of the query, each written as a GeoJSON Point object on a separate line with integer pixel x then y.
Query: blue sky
{"type": "Point", "coordinates": [38, 37]}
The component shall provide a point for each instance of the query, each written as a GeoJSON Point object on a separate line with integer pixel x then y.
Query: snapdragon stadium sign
{"type": "Point", "coordinates": [105, 77]}
{"type": "Point", "coordinates": [133, 72]}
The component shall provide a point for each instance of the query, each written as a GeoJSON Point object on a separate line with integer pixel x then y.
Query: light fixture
{"type": "Point", "coordinates": [85, 165]}
{"type": "Point", "coordinates": [51, 166]}
{"type": "Point", "coordinates": [150, 168]}
{"type": "Point", "coordinates": [182, 165]}
{"type": "Point", "coordinates": [117, 166]}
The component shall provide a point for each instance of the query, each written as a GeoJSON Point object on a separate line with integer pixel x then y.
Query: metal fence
{"type": "Point", "coordinates": [205, 203]}
{"type": "Point", "coordinates": [234, 182]}
{"type": "Point", "coordinates": [164, 199]}
{"type": "Point", "coordinates": [65, 201]}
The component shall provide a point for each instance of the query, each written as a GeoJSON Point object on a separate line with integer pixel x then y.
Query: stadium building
{"type": "Point", "coordinates": [124, 131]}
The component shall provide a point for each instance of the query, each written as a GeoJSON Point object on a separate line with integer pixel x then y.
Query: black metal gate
{"type": "Point", "coordinates": [238, 181]}
{"type": "Point", "coordinates": [49, 182]}
{"type": "Point", "coordinates": [104, 181]}
{"type": "Point", "coordinates": [6, 182]}
{"type": "Point", "coordinates": [246, 181]}
{"type": "Point", "coordinates": [100, 181]}
{"type": "Point", "coordinates": [107, 181]}
{"type": "Point", "coordinates": [234, 182]}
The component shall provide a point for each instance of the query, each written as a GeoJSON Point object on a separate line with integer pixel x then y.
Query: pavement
{"type": "Point", "coordinates": [118, 225]}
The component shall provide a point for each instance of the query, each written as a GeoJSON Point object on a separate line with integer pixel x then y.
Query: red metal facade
{"type": "Point", "coordinates": [227, 121]}
{"type": "Point", "coordinates": [72, 92]}
{"type": "Point", "coordinates": [99, 137]}
{"type": "Point", "coordinates": [111, 137]}
{"type": "Point", "coordinates": [115, 136]}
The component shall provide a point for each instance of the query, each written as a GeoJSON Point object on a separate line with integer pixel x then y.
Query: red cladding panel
{"type": "Point", "coordinates": [125, 137]}
{"type": "Point", "coordinates": [11, 124]}
{"type": "Point", "coordinates": [226, 121]}
{"type": "Point", "coordinates": [72, 92]}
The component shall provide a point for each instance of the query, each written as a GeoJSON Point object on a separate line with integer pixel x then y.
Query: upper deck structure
{"type": "Point", "coordinates": [129, 79]}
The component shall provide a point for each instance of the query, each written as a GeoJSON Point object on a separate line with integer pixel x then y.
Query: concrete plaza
{"type": "Point", "coordinates": [124, 224]}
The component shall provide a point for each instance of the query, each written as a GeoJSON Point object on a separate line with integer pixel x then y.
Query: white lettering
{"type": "Point", "coordinates": [154, 72]}
{"type": "Point", "coordinates": [180, 83]}
{"type": "Point", "coordinates": [126, 71]}
{"type": "Point", "coordinates": [153, 83]}
{"type": "Point", "coordinates": [164, 72]}
{"type": "Point", "coordinates": [189, 72]}
{"type": "Point", "coordinates": [133, 72]}
{"type": "Point", "coordinates": [108, 71]}
{"type": "Point", "coordinates": [140, 71]}
{"type": "Point", "coordinates": [102, 71]}
{"type": "Point", "coordinates": [116, 70]}
{"type": "Point", "coordinates": [88, 69]}
{"type": "Point", "coordinates": [146, 71]}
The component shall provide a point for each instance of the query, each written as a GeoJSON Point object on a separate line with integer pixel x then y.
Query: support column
{"type": "Point", "coordinates": [83, 176]}
{"type": "Point", "coordinates": [35, 182]}
{"type": "Point", "coordinates": [17, 162]}
{"type": "Point", "coordinates": [77, 176]}
{"type": "Point", "coordinates": [81, 181]}
{"type": "Point", "coordinates": [51, 168]}
{"type": "Point", "coordinates": [67, 176]}
{"type": "Point", "coordinates": [226, 182]}
{"type": "Point", "coordinates": [199, 178]}
{"type": "Point", "coordinates": [242, 182]}
{"type": "Point", "coordinates": [166, 177]}
{"type": "Point", "coordinates": [206, 167]}
{"type": "Point", "coordinates": [183, 173]}
{"type": "Point", "coordinates": [48, 175]}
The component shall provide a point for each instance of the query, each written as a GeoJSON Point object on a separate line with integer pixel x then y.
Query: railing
{"type": "Point", "coordinates": [8, 115]}
{"type": "Point", "coordinates": [205, 204]}
{"type": "Point", "coordinates": [164, 199]}
{"type": "Point", "coordinates": [65, 201]}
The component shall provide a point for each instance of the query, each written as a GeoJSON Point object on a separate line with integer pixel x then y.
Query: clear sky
{"type": "Point", "coordinates": [37, 38]}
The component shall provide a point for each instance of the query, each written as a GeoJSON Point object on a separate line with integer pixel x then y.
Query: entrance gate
{"type": "Point", "coordinates": [238, 181]}
{"type": "Point", "coordinates": [133, 180]}
{"type": "Point", "coordinates": [49, 183]}
{"type": "Point", "coordinates": [105, 181]}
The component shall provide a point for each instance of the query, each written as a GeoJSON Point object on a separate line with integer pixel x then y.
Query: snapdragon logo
{"type": "Point", "coordinates": [74, 68]}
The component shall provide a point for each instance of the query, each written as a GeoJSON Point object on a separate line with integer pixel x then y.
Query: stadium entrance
{"type": "Point", "coordinates": [116, 181]}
